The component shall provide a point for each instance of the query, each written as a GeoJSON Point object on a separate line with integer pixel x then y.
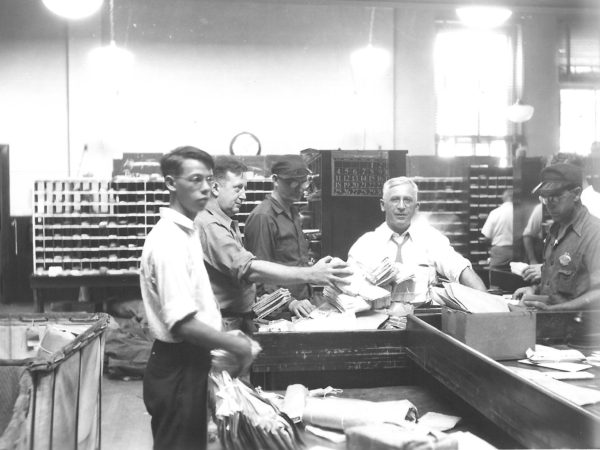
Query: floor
{"type": "Point", "coordinates": [125, 422]}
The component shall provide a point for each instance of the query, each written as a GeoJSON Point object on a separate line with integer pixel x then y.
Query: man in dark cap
{"type": "Point", "coordinates": [571, 270]}
{"type": "Point", "coordinates": [231, 268]}
{"type": "Point", "coordinates": [273, 231]}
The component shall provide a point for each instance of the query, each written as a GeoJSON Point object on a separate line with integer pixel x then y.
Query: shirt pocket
{"type": "Point", "coordinates": [286, 249]}
{"type": "Point", "coordinates": [566, 277]}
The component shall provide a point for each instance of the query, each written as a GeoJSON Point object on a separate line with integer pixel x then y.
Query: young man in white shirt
{"type": "Point", "coordinates": [404, 239]}
{"type": "Point", "coordinates": [498, 229]}
{"type": "Point", "coordinates": [182, 312]}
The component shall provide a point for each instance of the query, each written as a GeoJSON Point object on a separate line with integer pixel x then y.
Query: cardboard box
{"type": "Point", "coordinates": [497, 335]}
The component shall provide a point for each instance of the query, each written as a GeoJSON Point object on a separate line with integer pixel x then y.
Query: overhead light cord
{"type": "Point", "coordinates": [370, 25]}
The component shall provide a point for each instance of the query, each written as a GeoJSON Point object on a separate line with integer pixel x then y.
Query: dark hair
{"type": "Point", "coordinates": [170, 163]}
{"type": "Point", "coordinates": [224, 164]}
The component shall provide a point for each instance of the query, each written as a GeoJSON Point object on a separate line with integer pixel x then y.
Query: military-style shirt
{"type": "Point", "coordinates": [227, 261]}
{"type": "Point", "coordinates": [274, 235]}
{"type": "Point", "coordinates": [572, 258]}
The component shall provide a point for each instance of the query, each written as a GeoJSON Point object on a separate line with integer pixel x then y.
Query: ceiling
{"type": "Point", "coordinates": [520, 5]}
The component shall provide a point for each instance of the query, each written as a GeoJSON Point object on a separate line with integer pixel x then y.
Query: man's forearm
{"type": "Point", "coordinates": [198, 333]}
{"type": "Point", "coordinates": [588, 300]}
{"type": "Point", "coordinates": [469, 278]}
{"type": "Point", "coordinates": [529, 249]}
{"type": "Point", "coordinates": [273, 273]}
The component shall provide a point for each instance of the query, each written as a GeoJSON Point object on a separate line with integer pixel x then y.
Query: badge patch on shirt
{"type": "Point", "coordinates": [564, 259]}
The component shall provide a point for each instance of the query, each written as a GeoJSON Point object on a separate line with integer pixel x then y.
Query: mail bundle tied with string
{"type": "Point", "coordinates": [483, 321]}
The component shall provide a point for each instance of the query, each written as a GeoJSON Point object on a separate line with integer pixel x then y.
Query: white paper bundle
{"type": "Point", "coordinates": [222, 360]}
{"type": "Point", "coordinates": [463, 298]}
{"type": "Point", "coordinates": [343, 413]}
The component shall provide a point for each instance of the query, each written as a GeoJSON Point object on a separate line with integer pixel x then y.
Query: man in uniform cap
{"type": "Point", "coordinates": [232, 269]}
{"type": "Point", "coordinates": [571, 269]}
{"type": "Point", "coordinates": [273, 231]}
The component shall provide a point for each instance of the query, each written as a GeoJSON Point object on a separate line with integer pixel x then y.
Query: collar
{"type": "Point", "coordinates": [277, 207]}
{"type": "Point", "coordinates": [387, 233]}
{"type": "Point", "coordinates": [213, 209]}
{"type": "Point", "coordinates": [576, 223]}
{"type": "Point", "coordinates": [177, 218]}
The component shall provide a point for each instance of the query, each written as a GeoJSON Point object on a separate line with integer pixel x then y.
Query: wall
{"type": "Point", "coordinates": [540, 83]}
{"type": "Point", "coordinates": [205, 71]}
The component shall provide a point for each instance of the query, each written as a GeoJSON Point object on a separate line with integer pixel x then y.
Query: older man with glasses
{"type": "Point", "coordinates": [413, 243]}
{"type": "Point", "coordinates": [570, 278]}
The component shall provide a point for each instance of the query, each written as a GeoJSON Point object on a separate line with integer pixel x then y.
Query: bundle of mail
{"type": "Point", "coordinates": [365, 424]}
{"type": "Point", "coordinates": [464, 298]}
{"type": "Point", "coordinates": [359, 295]}
{"type": "Point", "coordinates": [246, 420]}
{"type": "Point", "coordinates": [569, 363]}
{"type": "Point", "coordinates": [384, 273]}
{"type": "Point", "coordinates": [269, 303]}
{"type": "Point", "coordinates": [223, 360]}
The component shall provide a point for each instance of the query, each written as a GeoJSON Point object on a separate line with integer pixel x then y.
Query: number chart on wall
{"type": "Point", "coordinates": [358, 175]}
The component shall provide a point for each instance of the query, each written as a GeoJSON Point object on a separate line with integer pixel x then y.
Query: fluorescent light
{"type": "Point", "coordinates": [483, 16]}
{"type": "Point", "coordinates": [73, 9]}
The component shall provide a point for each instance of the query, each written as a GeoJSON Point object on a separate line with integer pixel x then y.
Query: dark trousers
{"type": "Point", "coordinates": [175, 395]}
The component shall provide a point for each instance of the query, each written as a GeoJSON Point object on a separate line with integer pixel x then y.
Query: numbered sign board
{"type": "Point", "coordinates": [356, 174]}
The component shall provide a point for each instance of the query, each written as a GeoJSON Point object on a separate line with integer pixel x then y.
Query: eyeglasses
{"type": "Point", "coordinates": [555, 198]}
{"type": "Point", "coordinates": [295, 182]}
{"type": "Point", "coordinates": [408, 201]}
{"type": "Point", "coordinates": [197, 180]}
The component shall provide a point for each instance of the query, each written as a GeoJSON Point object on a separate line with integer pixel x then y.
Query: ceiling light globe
{"type": "Point", "coordinates": [370, 59]}
{"type": "Point", "coordinates": [73, 9]}
{"type": "Point", "coordinates": [519, 113]}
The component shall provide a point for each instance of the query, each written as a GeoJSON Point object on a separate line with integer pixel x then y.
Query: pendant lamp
{"type": "Point", "coordinates": [73, 9]}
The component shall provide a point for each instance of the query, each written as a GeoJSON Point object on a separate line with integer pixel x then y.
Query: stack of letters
{"type": "Point", "coordinates": [270, 303]}
{"type": "Point", "coordinates": [463, 298]}
{"type": "Point", "coordinates": [383, 274]}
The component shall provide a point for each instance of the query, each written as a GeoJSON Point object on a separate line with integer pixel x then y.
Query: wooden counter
{"type": "Point", "coordinates": [515, 406]}
{"type": "Point", "coordinates": [526, 411]}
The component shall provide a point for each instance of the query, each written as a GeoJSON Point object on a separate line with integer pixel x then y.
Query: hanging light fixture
{"type": "Point", "coordinates": [370, 60]}
{"type": "Point", "coordinates": [111, 63]}
{"type": "Point", "coordinates": [483, 16]}
{"type": "Point", "coordinates": [73, 9]}
{"type": "Point", "coordinates": [519, 113]}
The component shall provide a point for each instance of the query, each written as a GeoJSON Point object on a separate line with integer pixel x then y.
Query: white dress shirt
{"type": "Point", "coordinates": [425, 245]}
{"type": "Point", "coordinates": [498, 226]}
{"type": "Point", "coordinates": [534, 224]}
{"type": "Point", "coordinates": [173, 277]}
{"type": "Point", "coordinates": [591, 200]}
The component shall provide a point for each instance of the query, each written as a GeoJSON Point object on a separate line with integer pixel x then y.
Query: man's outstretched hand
{"type": "Point", "coordinates": [329, 271]}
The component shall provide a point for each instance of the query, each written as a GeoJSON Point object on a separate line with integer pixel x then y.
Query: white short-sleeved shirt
{"type": "Point", "coordinates": [499, 225]}
{"type": "Point", "coordinates": [173, 277]}
{"type": "Point", "coordinates": [425, 245]}
{"type": "Point", "coordinates": [591, 200]}
{"type": "Point", "coordinates": [534, 224]}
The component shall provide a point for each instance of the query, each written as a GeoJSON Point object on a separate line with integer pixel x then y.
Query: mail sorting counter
{"type": "Point", "coordinates": [498, 405]}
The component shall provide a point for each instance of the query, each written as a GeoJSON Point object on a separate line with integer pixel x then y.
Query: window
{"type": "Point", "coordinates": [473, 79]}
{"type": "Point", "coordinates": [579, 52]}
{"type": "Point", "coordinates": [579, 119]}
